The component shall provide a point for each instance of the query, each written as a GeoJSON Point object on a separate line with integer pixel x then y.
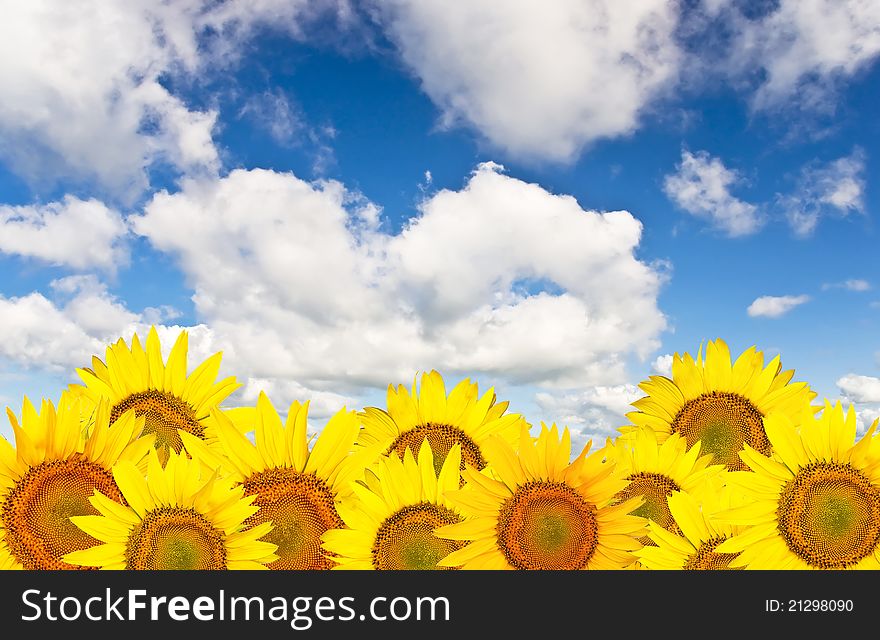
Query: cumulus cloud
{"type": "Point", "coordinates": [863, 393]}
{"type": "Point", "coordinates": [79, 319]}
{"type": "Point", "coordinates": [538, 81]}
{"type": "Point", "coordinates": [80, 234]}
{"type": "Point", "coordinates": [859, 388]}
{"type": "Point", "coordinates": [591, 414]}
{"type": "Point", "coordinates": [775, 306]}
{"type": "Point", "coordinates": [806, 48]}
{"type": "Point", "coordinates": [500, 278]}
{"type": "Point", "coordinates": [85, 91]}
{"type": "Point", "coordinates": [835, 188]}
{"type": "Point", "coordinates": [701, 186]}
{"type": "Point", "coordinates": [88, 71]}
{"type": "Point", "coordinates": [663, 365]}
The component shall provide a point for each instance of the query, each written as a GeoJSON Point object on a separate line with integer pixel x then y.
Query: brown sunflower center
{"type": "Point", "coordinates": [547, 525]}
{"type": "Point", "coordinates": [722, 422]}
{"type": "Point", "coordinates": [301, 508]}
{"type": "Point", "coordinates": [654, 488]}
{"type": "Point", "coordinates": [829, 515]}
{"type": "Point", "coordinates": [36, 512]}
{"type": "Point", "coordinates": [406, 539]}
{"type": "Point", "coordinates": [175, 538]}
{"type": "Point", "coordinates": [441, 437]}
{"type": "Point", "coordinates": [163, 415]}
{"type": "Point", "coordinates": [706, 559]}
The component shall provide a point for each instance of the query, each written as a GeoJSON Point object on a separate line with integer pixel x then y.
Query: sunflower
{"type": "Point", "coordinates": [180, 519]}
{"type": "Point", "coordinates": [463, 417]}
{"type": "Point", "coordinates": [50, 474]}
{"type": "Point", "coordinates": [399, 505]}
{"type": "Point", "coordinates": [815, 507]}
{"type": "Point", "coordinates": [168, 398]}
{"type": "Point", "coordinates": [545, 512]}
{"type": "Point", "coordinates": [719, 404]}
{"type": "Point", "coordinates": [296, 489]}
{"type": "Point", "coordinates": [656, 470]}
{"type": "Point", "coordinates": [694, 546]}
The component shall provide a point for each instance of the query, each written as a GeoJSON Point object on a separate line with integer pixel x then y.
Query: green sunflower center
{"type": "Point", "coordinates": [406, 540]}
{"type": "Point", "coordinates": [36, 512]}
{"type": "Point", "coordinates": [301, 508]}
{"type": "Point", "coordinates": [722, 423]}
{"type": "Point", "coordinates": [654, 488]}
{"type": "Point", "coordinates": [829, 515]}
{"type": "Point", "coordinates": [174, 538]}
{"type": "Point", "coordinates": [441, 437]}
{"type": "Point", "coordinates": [163, 414]}
{"type": "Point", "coordinates": [547, 525]}
{"type": "Point", "coordinates": [706, 559]}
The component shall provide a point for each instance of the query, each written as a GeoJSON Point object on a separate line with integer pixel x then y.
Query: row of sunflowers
{"type": "Point", "coordinates": [727, 464]}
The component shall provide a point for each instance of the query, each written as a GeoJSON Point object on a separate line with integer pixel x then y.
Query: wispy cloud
{"type": "Point", "coordinates": [849, 285]}
{"type": "Point", "coordinates": [834, 188]}
{"type": "Point", "coordinates": [701, 186]}
{"type": "Point", "coordinates": [282, 118]}
{"type": "Point", "coordinates": [775, 306]}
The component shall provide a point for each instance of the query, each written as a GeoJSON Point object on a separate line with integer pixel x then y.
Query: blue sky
{"type": "Point", "coordinates": [340, 194]}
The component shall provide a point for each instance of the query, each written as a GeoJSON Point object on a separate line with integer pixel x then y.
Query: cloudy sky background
{"type": "Point", "coordinates": [339, 194]}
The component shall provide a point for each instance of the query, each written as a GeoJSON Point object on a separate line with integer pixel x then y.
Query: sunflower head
{"type": "Point", "coordinates": [816, 504]}
{"type": "Point", "coordinates": [655, 471]}
{"type": "Point", "coordinates": [699, 533]}
{"type": "Point", "coordinates": [543, 511]}
{"type": "Point", "coordinates": [170, 400]}
{"type": "Point", "coordinates": [463, 417]}
{"type": "Point", "coordinates": [175, 518]}
{"type": "Point", "coordinates": [48, 477]}
{"type": "Point", "coordinates": [719, 404]}
{"type": "Point", "coordinates": [296, 487]}
{"type": "Point", "coordinates": [391, 523]}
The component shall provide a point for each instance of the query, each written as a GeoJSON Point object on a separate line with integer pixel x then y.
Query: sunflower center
{"type": "Point", "coordinates": [163, 415]}
{"type": "Point", "coordinates": [174, 538]}
{"type": "Point", "coordinates": [829, 515]}
{"type": "Point", "coordinates": [655, 488]}
{"type": "Point", "coordinates": [406, 540]}
{"type": "Point", "coordinates": [36, 512]}
{"type": "Point", "coordinates": [722, 422]}
{"type": "Point", "coordinates": [706, 559]}
{"type": "Point", "coordinates": [441, 437]}
{"type": "Point", "coordinates": [301, 507]}
{"type": "Point", "coordinates": [547, 525]}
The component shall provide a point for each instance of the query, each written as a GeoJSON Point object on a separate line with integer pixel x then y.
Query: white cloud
{"type": "Point", "coordinates": [860, 388]}
{"type": "Point", "coordinates": [701, 186]}
{"type": "Point", "coordinates": [834, 188]}
{"type": "Point", "coordinates": [85, 91]}
{"type": "Point", "coordinates": [775, 306]}
{"type": "Point", "coordinates": [82, 94]}
{"type": "Point", "coordinates": [501, 278]}
{"type": "Point", "coordinates": [80, 320]}
{"type": "Point", "coordinates": [538, 80]}
{"type": "Point", "coordinates": [591, 414]}
{"type": "Point", "coordinates": [853, 284]}
{"type": "Point", "coordinates": [283, 392]}
{"type": "Point", "coordinates": [806, 48]}
{"type": "Point", "coordinates": [80, 234]}
{"type": "Point", "coordinates": [663, 365]}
